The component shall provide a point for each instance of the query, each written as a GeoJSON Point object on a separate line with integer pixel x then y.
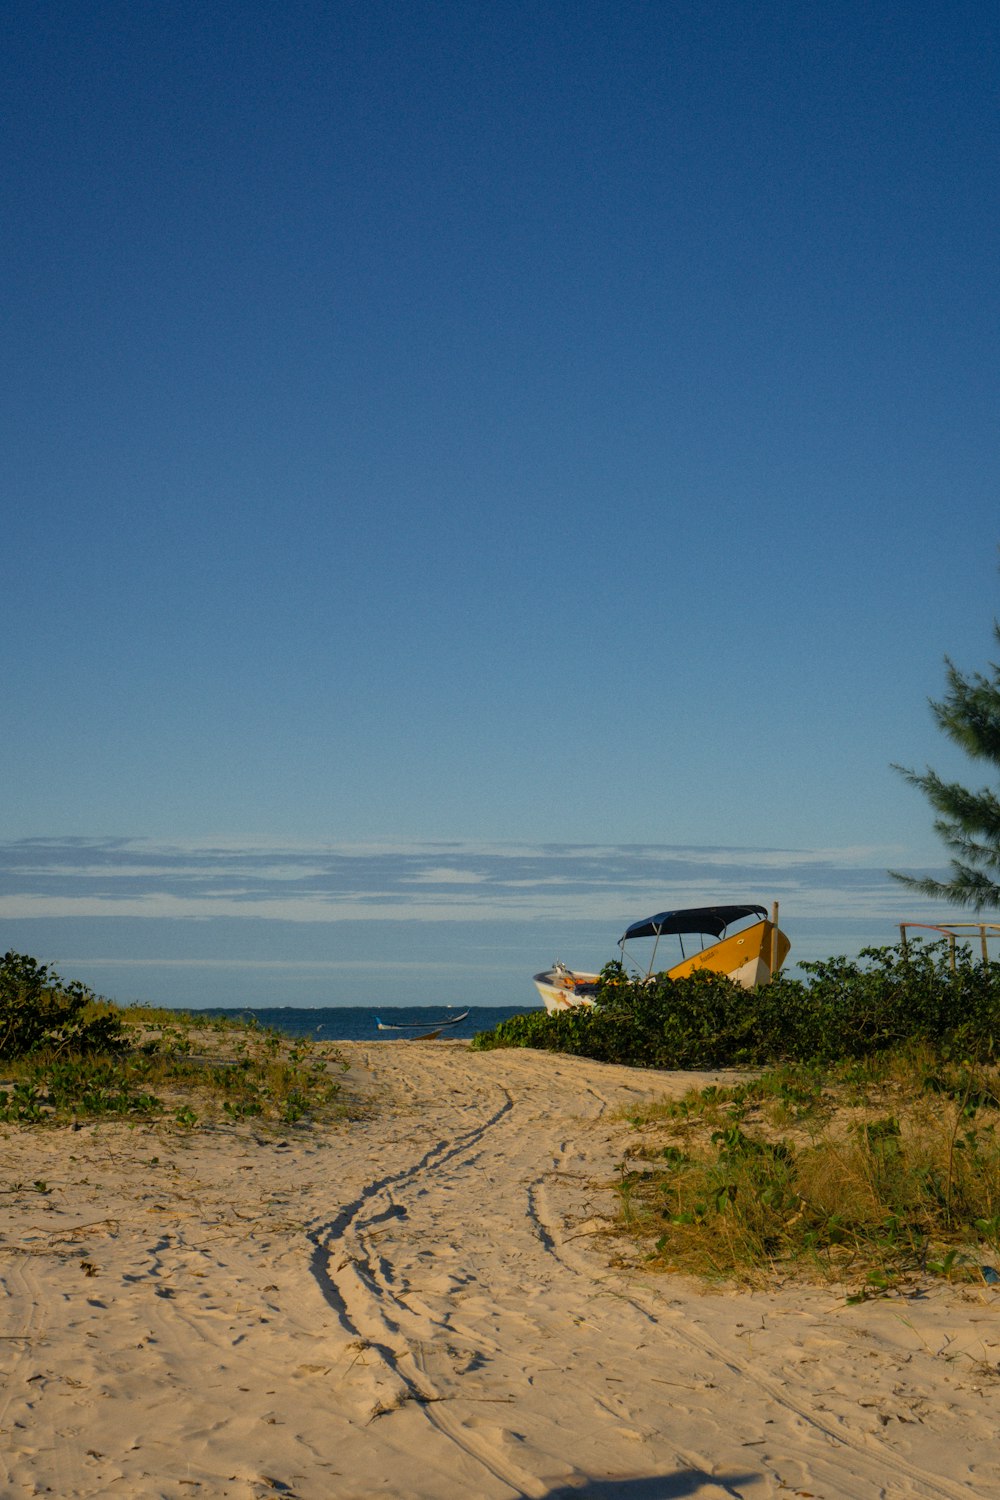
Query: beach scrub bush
{"type": "Point", "coordinates": [65, 1055]}
{"type": "Point", "coordinates": [842, 1008]}
{"type": "Point", "coordinates": [872, 1174]}
{"type": "Point", "coordinates": [40, 1010]}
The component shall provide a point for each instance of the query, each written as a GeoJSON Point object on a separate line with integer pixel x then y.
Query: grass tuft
{"type": "Point", "coordinates": [869, 1174]}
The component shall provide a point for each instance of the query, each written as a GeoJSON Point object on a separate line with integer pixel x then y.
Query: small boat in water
{"type": "Point", "coordinates": [420, 1030]}
{"type": "Point", "coordinates": [750, 954]}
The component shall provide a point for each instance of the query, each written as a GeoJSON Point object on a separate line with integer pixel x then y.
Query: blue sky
{"type": "Point", "coordinates": [447, 431]}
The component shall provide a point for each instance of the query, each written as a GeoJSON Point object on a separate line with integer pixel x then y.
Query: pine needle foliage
{"type": "Point", "coordinates": [967, 821]}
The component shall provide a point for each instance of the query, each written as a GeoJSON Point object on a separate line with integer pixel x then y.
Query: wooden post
{"type": "Point", "coordinates": [774, 939]}
{"type": "Point", "coordinates": [951, 945]}
{"type": "Point", "coordinates": [982, 939]}
{"type": "Point", "coordinates": [902, 940]}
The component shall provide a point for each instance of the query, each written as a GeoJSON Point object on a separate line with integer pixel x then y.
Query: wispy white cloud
{"type": "Point", "coordinates": [453, 882]}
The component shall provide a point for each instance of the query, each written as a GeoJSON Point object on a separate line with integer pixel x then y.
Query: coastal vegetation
{"type": "Point", "coordinates": [67, 1055]}
{"type": "Point", "coordinates": [842, 1008]}
{"type": "Point", "coordinates": [861, 1143]}
{"type": "Point", "coordinates": [873, 1172]}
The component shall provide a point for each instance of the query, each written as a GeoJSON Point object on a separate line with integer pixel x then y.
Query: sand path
{"type": "Point", "coordinates": [418, 1305]}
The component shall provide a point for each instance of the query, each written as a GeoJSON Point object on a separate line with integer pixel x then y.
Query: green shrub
{"type": "Point", "coordinates": [38, 1011]}
{"type": "Point", "coordinates": [843, 1008]}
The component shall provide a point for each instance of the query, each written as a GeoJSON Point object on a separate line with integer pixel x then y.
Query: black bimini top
{"type": "Point", "coordinates": [712, 920]}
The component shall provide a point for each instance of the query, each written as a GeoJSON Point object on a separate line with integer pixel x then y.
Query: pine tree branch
{"type": "Point", "coordinates": [973, 812]}
{"type": "Point", "coordinates": [966, 888]}
{"type": "Point", "coordinates": [968, 822]}
{"type": "Point", "coordinates": [970, 712]}
{"type": "Point", "coordinates": [969, 849]}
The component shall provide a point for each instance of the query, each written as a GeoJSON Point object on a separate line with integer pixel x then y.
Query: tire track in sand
{"type": "Point", "coordinates": [357, 1282]}
{"type": "Point", "coordinates": [444, 1324]}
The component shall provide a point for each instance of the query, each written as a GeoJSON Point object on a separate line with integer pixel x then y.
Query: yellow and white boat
{"type": "Point", "coordinates": [750, 954]}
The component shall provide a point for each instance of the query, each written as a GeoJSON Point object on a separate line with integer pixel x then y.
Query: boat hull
{"type": "Point", "coordinates": [747, 958]}
{"type": "Point", "coordinates": [411, 1026]}
{"type": "Point", "coordinates": [565, 989]}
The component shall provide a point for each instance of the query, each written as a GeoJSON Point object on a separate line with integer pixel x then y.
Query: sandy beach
{"type": "Point", "coordinates": [420, 1304]}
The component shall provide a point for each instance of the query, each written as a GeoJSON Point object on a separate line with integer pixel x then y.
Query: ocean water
{"type": "Point", "coordinates": [359, 1023]}
{"type": "Point", "coordinates": [362, 966]}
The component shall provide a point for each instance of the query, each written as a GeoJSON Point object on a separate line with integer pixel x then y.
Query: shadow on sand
{"type": "Point", "coordinates": [676, 1486]}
